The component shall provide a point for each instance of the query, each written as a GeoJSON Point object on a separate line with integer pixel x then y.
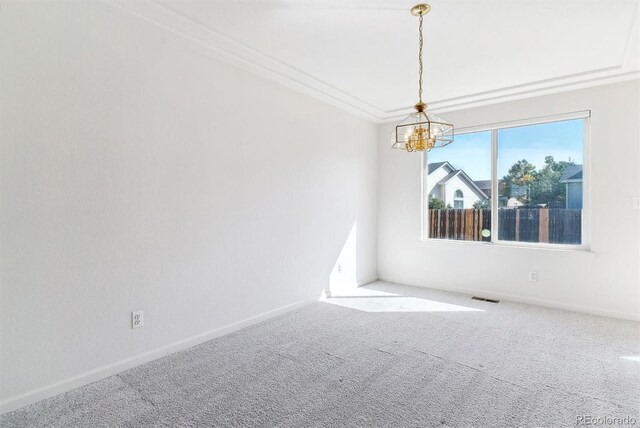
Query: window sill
{"type": "Point", "coordinates": [516, 245]}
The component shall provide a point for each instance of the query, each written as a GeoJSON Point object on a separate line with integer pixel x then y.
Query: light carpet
{"type": "Point", "coordinates": [388, 356]}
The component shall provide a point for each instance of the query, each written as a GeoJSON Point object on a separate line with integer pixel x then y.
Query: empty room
{"type": "Point", "coordinates": [319, 213]}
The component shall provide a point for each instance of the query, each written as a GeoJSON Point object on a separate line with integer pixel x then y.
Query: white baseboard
{"type": "Point", "coordinates": [18, 401]}
{"type": "Point", "coordinates": [529, 300]}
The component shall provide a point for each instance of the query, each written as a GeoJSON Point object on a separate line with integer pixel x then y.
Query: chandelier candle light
{"type": "Point", "coordinates": [421, 131]}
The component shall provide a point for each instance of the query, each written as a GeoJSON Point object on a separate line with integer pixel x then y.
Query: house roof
{"type": "Point", "coordinates": [449, 176]}
{"type": "Point", "coordinates": [473, 185]}
{"type": "Point", "coordinates": [572, 172]}
{"type": "Point", "coordinates": [435, 165]}
{"type": "Point", "coordinates": [483, 184]}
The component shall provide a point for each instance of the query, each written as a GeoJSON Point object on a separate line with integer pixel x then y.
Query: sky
{"type": "Point", "coordinates": [472, 152]}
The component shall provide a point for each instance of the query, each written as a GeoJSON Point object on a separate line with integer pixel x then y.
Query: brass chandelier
{"type": "Point", "coordinates": [421, 131]}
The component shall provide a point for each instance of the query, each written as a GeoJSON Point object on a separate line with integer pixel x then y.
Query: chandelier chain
{"type": "Point", "coordinates": [420, 60]}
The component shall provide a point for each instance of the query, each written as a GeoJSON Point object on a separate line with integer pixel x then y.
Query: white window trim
{"type": "Point", "coordinates": [494, 128]}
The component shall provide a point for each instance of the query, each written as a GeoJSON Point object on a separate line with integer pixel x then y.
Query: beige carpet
{"type": "Point", "coordinates": [392, 356]}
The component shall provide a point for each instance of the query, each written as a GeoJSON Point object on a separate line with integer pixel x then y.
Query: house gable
{"type": "Point", "coordinates": [466, 180]}
{"type": "Point", "coordinates": [444, 180]}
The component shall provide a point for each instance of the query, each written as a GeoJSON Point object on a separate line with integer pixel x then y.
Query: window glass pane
{"type": "Point", "coordinates": [459, 189]}
{"type": "Point", "coordinates": [540, 183]}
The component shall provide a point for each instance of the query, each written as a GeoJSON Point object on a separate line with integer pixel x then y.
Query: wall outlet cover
{"type": "Point", "coordinates": [137, 319]}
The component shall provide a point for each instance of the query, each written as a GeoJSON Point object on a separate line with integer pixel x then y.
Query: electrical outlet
{"type": "Point", "coordinates": [533, 276]}
{"type": "Point", "coordinates": [636, 202]}
{"type": "Point", "coordinates": [339, 268]}
{"type": "Point", "coordinates": [137, 319]}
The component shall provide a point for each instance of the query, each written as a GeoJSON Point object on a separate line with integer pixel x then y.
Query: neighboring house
{"type": "Point", "coordinates": [453, 186]}
{"type": "Point", "coordinates": [516, 192]}
{"type": "Point", "coordinates": [514, 203]}
{"type": "Point", "coordinates": [572, 177]}
{"type": "Point", "coordinates": [485, 186]}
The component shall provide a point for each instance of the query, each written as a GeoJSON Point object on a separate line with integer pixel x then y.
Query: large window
{"type": "Point", "coordinates": [458, 186]}
{"type": "Point", "coordinates": [513, 183]}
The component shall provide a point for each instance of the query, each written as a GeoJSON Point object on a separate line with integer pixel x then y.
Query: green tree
{"type": "Point", "coordinates": [521, 175]}
{"type": "Point", "coordinates": [547, 188]}
{"type": "Point", "coordinates": [436, 203]}
{"type": "Point", "coordinates": [482, 204]}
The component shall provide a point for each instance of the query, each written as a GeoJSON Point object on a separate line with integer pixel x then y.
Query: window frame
{"type": "Point", "coordinates": [585, 245]}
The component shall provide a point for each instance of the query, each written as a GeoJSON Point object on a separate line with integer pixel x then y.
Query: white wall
{"type": "Point", "coordinates": [140, 172]}
{"type": "Point", "coordinates": [605, 281]}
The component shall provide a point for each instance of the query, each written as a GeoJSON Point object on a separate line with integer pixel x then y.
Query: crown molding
{"type": "Point", "coordinates": [264, 65]}
{"type": "Point", "coordinates": [530, 90]}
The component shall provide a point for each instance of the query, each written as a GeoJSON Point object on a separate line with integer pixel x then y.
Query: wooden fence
{"type": "Point", "coordinates": [459, 224]}
{"type": "Point", "coordinates": [554, 226]}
